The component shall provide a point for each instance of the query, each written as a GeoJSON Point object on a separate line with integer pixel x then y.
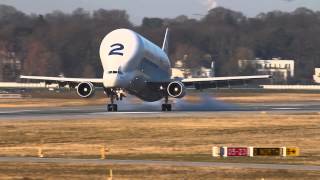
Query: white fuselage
{"type": "Point", "coordinates": [135, 64]}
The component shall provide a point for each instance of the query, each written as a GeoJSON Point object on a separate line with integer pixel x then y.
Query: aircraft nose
{"type": "Point", "coordinates": [112, 80]}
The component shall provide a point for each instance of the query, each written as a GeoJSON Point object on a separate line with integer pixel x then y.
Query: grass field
{"type": "Point", "coordinates": [182, 139]}
{"type": "Point", "coordinates": [185, 138]}
{"type": "Point", "coordinates": [95, 172]}
{"type": "Point", "coordinates": [49, 102]}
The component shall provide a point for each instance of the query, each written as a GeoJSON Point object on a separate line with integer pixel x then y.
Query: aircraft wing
{"type": "Point", "coordinates": [62, 79]}
{"type": "Point", "coordinates": [221, 81]}
{"type": "Point", "coordinates": [230, 78]}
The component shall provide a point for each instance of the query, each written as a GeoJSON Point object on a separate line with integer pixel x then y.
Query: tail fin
{"type": "Point", "coordinates": [165, 45]}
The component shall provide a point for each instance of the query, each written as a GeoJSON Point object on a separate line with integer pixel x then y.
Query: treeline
{"type": "Point", "coordinates": [69, 43]}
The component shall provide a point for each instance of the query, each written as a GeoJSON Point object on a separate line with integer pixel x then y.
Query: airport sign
{"type": "Point", "coordinates": [266, 151]}
{"type": "Point", "coordinates": [237, 151]}
{"type": "Point", "coordinates": [225, 151]}
{"type": "Point", "coordinates": [292, 152]}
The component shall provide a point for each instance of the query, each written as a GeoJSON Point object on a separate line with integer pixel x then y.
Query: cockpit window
{"type": "Point", "coordinates": [115, 72]}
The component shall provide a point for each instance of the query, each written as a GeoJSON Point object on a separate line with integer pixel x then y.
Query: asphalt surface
{"type": "Point", "coordinates": [160, 163]}
{"type": "Point", "coordinates": [180, 109]}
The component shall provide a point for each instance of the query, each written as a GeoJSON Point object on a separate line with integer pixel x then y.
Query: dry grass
{"type": "Point", "coordinates": [71, 171]}
{"type": "Point", "coordinates": [48, 102]}
{"type": "Point", "coordinates": [187, 138]}
{"type": "Point", "coordinates": [271, 98]}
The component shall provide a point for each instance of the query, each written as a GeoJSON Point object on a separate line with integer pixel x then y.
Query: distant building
{"type": "Point", "coordinates": [178, 71]}
{"type": "Point", "coordinates": [281, 70]}
{"type": "Point", "coordinates": [316, 76]}
{"type": "Point", "coordinates": [10, 66]}
{"type": "Point", "coordinates": [201, 73]}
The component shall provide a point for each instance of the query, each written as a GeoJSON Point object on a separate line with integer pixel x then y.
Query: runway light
{"type": "Point", "coordinates": [215, 151]}
{"type": "Point", "coordinates": [40, 152]}
{"type": "Point", "coordinates": [109, 174]}
{"type": "Point", "coordinates": [104, 152]}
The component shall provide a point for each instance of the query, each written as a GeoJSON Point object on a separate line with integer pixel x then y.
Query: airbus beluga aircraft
{"type": "Point", "coordinates": [134, 65]}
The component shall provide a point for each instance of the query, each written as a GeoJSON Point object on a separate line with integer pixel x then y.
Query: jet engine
{"type": "Point", "coordinates": [176, 89]}
{"type": "Point", "coordinates": [85, 89]}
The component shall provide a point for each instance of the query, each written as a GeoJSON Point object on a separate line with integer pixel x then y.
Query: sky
{"type": "Point", "coordinates": [137, 9]}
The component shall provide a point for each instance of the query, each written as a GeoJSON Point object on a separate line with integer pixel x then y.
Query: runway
{"type": "Point", "coordinates": [153, 109]}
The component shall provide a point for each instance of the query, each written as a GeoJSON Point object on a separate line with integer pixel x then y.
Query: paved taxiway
{"type": "Point", "coordinates": [160, 163]}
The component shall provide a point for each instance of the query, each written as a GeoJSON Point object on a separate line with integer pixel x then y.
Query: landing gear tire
{"type": "Point", "coordinates": [114, 94]}
{"type": "Point", "coordinates": [112, 107]}
{"type": "Point", "coordinates": [166, 107]}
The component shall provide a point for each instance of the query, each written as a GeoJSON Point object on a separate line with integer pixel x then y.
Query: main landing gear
{"type": "Point", "coordinates": [166, 106]}
{"type": "Point", "coordinates": [118, 94]}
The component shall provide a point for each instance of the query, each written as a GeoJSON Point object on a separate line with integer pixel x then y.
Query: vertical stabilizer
{"type": "Point", "coordinates": [165, 45]}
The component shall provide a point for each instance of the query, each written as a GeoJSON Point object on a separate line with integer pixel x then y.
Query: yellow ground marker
{"type": "Point", "coordinates": [104, 152]}
{"type": "Point", "coordinates": [40, 152]}
{"type": "Point", "coordinates": [110, 175]}
{"type": "Point", "coordinates": [293, 151]}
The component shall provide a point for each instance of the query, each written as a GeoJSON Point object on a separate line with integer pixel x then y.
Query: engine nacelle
{"type": "Point", "coordinates": [85, 89]}
{"type": "Point", "coordinates": [176, 89]}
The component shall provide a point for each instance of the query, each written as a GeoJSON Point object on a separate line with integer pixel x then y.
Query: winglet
{"type": "Point", "coordinates": [165, 45]}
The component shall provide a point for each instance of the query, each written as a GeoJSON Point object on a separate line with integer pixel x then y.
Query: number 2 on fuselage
{"type": "Point", "coordinates": [116, 49]}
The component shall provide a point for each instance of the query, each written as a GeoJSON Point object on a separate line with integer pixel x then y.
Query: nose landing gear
{"type": "Point", "coordinates": [113, 94]}
{"type": "Point", "coordinates": [112, 107]}
{"type": "Point", "coordinates": [166, 106]}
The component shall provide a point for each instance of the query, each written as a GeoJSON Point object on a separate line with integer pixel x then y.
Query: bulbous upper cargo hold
{"type": "Point", "coordinates": [124, 50]}
{"type": "Point", "coordinates": [117, 48]}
